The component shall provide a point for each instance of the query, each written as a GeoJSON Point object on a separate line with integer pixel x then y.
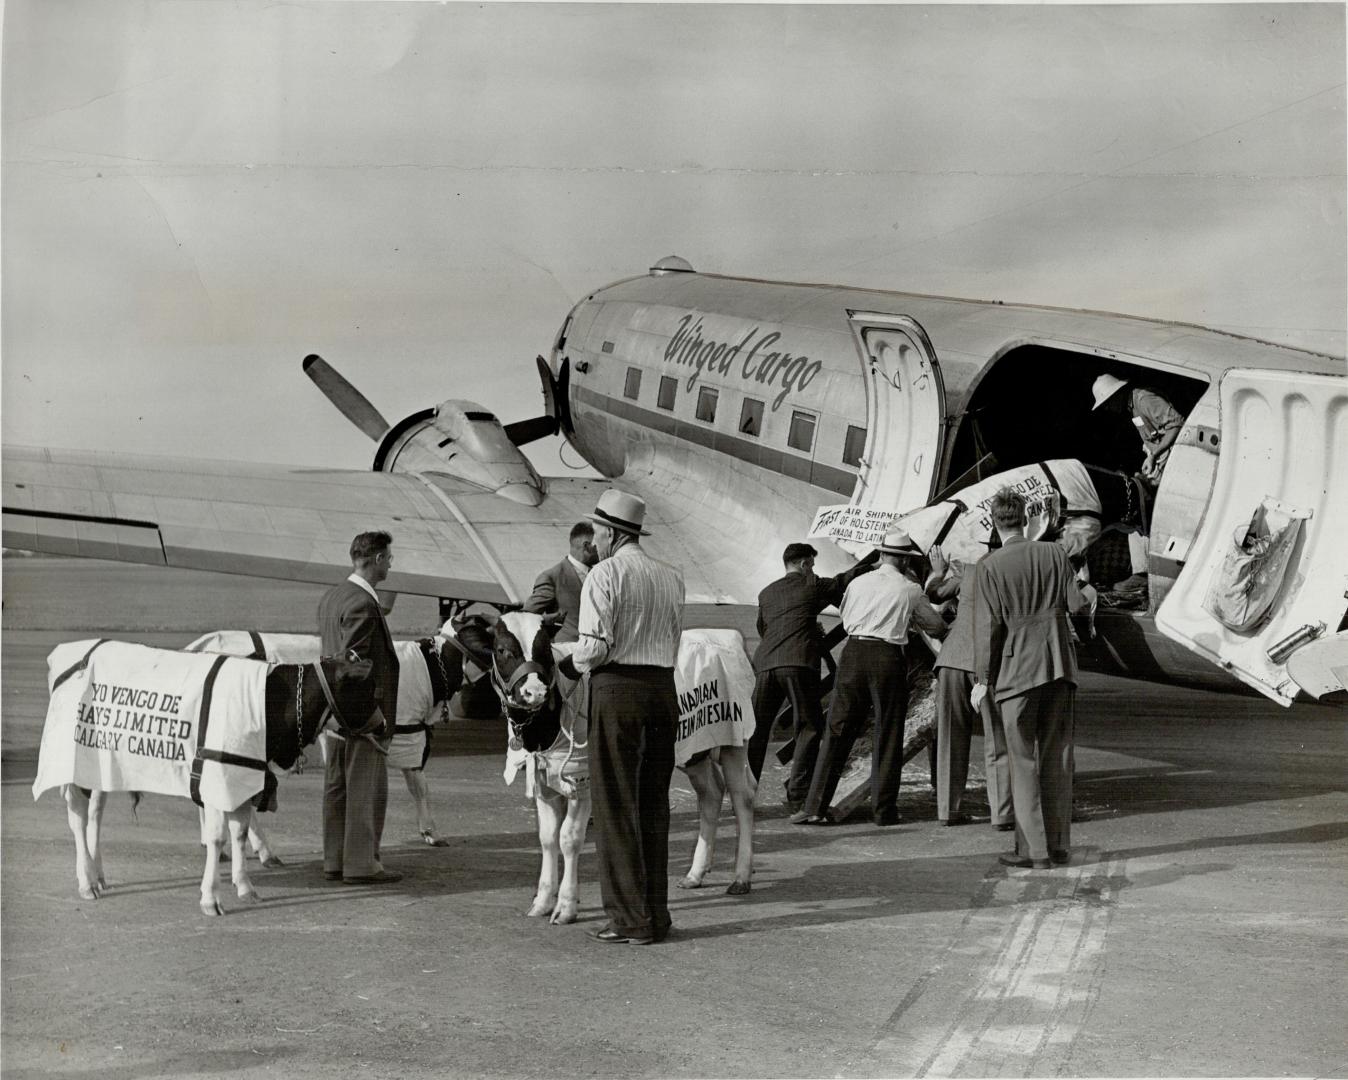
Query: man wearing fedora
{"type": "Point", "coordinates": [786, 662]}
{"type": "Point", "coordinates": [877, 611]}
{"type": "Point", "coordinates": [1024, 659]}
{"type": "Point", "coordinates": [631, 617]}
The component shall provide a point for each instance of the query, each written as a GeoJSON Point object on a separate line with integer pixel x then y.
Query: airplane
{"type": "Point", "coordinates": [737, 408]}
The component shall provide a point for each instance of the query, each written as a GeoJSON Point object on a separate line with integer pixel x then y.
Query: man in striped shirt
{"type": "Point", "coordinates": [631, 616]}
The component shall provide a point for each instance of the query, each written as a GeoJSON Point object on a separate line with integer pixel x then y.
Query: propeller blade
{"type": "Point", "coordinates": [527, 431]}
{"type": "Point", "coordinates": [350, 402]}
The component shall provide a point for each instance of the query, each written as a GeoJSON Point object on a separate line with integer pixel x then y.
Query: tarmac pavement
{"type": "Point", "coordinates": [1198, 931]}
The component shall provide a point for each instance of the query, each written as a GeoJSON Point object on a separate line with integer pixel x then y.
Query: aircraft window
{"type": "Point", "coordinates": [706, 404]}
{"type": "Point", "coordinates": [665, 399]}
{"type": "Point", "coordinates": [853, 444]}
{"type": "Point", "coordinates": [632, 387]}
{"type": "Point", "coordinates": [801, 435]}
{"type": "Point", "coordinates": [751, 418]}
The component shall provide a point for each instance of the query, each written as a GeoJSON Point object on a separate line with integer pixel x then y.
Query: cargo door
{"type": "Point", "coordinates": [1284, 447]}
{"type": "Point", "coordinates": [905, 413]}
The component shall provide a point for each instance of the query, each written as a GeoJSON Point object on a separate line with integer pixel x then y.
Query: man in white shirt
{"type": "Point", "coordinates": [877, 611]}
{"type": "Point", "coordinates": [631, 617]}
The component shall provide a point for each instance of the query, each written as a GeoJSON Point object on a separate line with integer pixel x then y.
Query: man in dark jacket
{"type": "Point", "coordinates": [786, 662]}
{"type": "Point", "coordinates": [1024, 658]}
{"type": "Point", "coordinates": [355, 790]}
{"type": "Point", "coordinates": [557, 589]}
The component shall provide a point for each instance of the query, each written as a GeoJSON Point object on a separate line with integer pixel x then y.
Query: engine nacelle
{"type": "Point", "coordinates": [465, 440]}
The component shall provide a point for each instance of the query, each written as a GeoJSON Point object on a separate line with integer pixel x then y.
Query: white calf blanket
{"type": "Point", "coordinates": [128, 718]}
{"type": "Point", "coordinates": [715, 685]}
{"type": "Point", "coordinates": [415, 697]}
{"type": "Point", "coordinates": [962, 524]}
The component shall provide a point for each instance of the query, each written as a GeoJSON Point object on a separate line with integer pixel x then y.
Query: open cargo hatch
{"type": "Point", "coordinates": [1275, 533]}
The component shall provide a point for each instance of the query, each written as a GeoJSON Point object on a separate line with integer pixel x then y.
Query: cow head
{"type": "Point", "coordinates": [460, 653]}
{"type": "Point", "coordinates": [523, 669]}
{"type": "Point", "coordinates": [355, 692]}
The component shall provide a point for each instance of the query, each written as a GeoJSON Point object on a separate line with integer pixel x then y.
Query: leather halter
{"type": "Point", "coordinates": [507, 689]}
{"type": "Point", "coordinates": [371, 725]}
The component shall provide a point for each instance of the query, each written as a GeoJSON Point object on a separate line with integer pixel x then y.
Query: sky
{"type": "Point", "coordinates": [198, 193]}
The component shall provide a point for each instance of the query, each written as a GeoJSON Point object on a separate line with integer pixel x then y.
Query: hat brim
{"type": "Point", "coordinates": [911, 550]}
{"type": "Point", "coordinates": [621, 526]}
{"type": "Point", "coordinates": [1108, 396]}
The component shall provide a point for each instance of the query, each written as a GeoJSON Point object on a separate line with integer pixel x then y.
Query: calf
{"type": "Point", "coordinates": [433, 669]}
{"type": "Point", "coordinates": [89, 748]}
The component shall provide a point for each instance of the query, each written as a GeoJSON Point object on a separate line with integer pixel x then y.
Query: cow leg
{"type": "Point", "coordinates": [706, 779]}
{"type": "Point", "coordinates": [551, 808]}
{"type": "Point", "coordinates": [740, 782]}
{"type": "Point", "coordinates": [213, 840]}
{"type": "Point", "coordinates": [421, 796]}
{"type": "Point", "coordinates": [238, 854]}
{"type": "Point", "coordinates": [77, 815]}
{"type": "Point", "coordinates": [572, 840]}
{"type": "Point", "coordinates": [257, 839]}
{"type": "Point", "coordinates": [98, 801]}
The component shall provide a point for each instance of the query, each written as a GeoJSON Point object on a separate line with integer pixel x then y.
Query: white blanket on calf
{"type": "Point", "coordinates": [715, 685]}
{"type": "Point", "coordinates": [415, 696]}
{"type": "Point", "coordinates": [962, 524]}
{"type": "Point", "coordinates": [125, 717]}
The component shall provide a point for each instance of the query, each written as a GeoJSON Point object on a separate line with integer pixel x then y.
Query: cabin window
{"type": "Point", "coordinates": [632, 387]}
{"type": "Point", "coordinates": [801, 434]}
{"type": "Point", "coordinates": [751, 418]}
{"type": "Point", "coordinates": [668, 386]}
{"type": "Point", "coordinates": [853, 444]}
{"type": "Point", "coordinates": [706, 404]}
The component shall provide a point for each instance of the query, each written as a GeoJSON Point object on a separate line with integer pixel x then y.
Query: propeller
{"type": "Point", "coordinates": [350, 402]}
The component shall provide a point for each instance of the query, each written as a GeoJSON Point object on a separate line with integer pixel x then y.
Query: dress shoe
{"type": "Point", "coordinates": [1024, 862]}
{"type": "Point", "coordinates": [956, 819]}
{"type": "Point", "coordinates": [380, 877]}
{"type": "Point", "coordinates": [610, 936]}
{"type": "Point", "coordinates": [887, 817]}
{"type": "Point", "coordinates": [1004, 826]}
{"type": "Point", "coordinates": [1061, 857]}
{"type": "Point", "coordinates": [802, 818]}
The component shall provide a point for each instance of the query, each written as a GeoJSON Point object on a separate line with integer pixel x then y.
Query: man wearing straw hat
{"type": "Point", "coordinates": [631, 615]}
{"type": "Point", "coordinates": [877, 610]}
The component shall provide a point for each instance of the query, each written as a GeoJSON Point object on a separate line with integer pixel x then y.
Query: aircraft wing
{"type": "Point", "coordinates": [451, 539]}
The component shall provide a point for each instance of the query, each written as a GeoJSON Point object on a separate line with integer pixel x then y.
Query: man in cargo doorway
{"type": "Point", "coordinates": [1158, 425]}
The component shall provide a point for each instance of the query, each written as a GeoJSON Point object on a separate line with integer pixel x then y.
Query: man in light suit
{"type": "Point", "coordinates": [557, 590]}
{"type": "Point", "coordinates": [1023, 656]}
{"type": "Point", "coordinates": [355, 790]}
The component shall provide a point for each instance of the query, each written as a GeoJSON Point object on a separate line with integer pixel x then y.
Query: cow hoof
{"type": "Point", "coordinates": [538, 909]}
{"type": "Point", "coordinates": [89, 892]}
{"type": "Point", "coordinates": [211, 908]}
{"type": "Point", "coordinates": [250, 898]}
{"type": "Point", "coordinates": [688, 882]}
{"type": "Point", "coordinates": [271, 862]}
{"type": "Point", "coordinates": [431, 840]}
{"type": "Point", "coordinates": [563, 915]}
{"type": "Point", "coordinates": [738, 888]}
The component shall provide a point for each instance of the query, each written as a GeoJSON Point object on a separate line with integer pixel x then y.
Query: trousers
{"type": "Point", "coordinates": [955, 723]}
{"type": "Point", "coordinates": [633, 714]}
{"type": "Point", "coordinates": [799, 686]}
{"type": "Point", "coordinates": [872, 677]}
{"type": "Point", "coordinates": [355, 798]}
{"type": "Point", "coordinates": [1039, 728]}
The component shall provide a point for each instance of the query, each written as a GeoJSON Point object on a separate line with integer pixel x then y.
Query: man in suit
{"type": "Point", "coordinates": [1024, 658]}
{"type": "Point", "coordinates": [956, 718]}
{"type": "Point", "coordinates": [878, 611]}
{"type": "Point", "coordinates": [786, 662]}
{"type": "Point", "coordinates": [355, 791]}
{"type": "Point", "coordinates": [557, 590]}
